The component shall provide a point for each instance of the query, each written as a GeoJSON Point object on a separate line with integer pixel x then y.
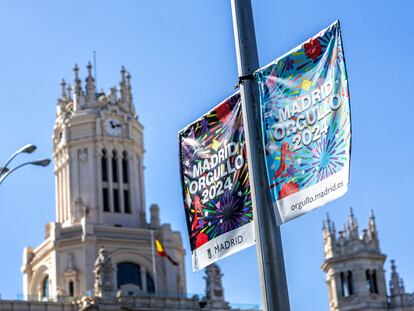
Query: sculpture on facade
{"type": "Point", "coordinates": [104, 276]}
{"type": "Point", "coordinates": [214, 288]}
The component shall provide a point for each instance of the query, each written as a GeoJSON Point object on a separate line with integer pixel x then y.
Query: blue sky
{"type": "Point", "coordinates": [182, 60]}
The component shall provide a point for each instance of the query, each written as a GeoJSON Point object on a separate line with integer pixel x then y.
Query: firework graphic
{"type": "Point", "coordinates": [305, 117]}
{"type": "Point", "coordinates": [225, 204]}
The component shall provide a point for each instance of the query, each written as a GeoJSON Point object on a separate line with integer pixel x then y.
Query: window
{"type": "Point", "coordinates": [124, 167]}
{"type": "Point", "coordinates": [104, 166]}
{"type": "Point", "coordinates": [128, 273]}
{"type": "Point", "coordinates": [127, 208]}
{"type": "Point", "coordinates": [350, 283]}
{"type": "Point", "coordinates": [371, 281]}
{"type": "Point", "coordinates": [116, 201]}
{"type": "Point", "coordinates": [150, 284]}
{"type": "Point", "coordinates": [347, 287]}
{"type": "Point", "coordinates": [71, 289]}
{"type": "Point", "coordinates": [114, 167]}
{"type": "Point", "coordinates": [105, 195]}
{"type": "Point", "coordinates": [45, 287]}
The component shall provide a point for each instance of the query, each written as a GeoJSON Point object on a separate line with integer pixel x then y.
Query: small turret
{"type": "Point", "coordinates": [69, 90]}
{"type": "Point", "coordinates": [352, 226]}
{"type": "Point", "coordinates": [122, 85]}
{"type": "Point", "coordinates": [79, 100]}
{"type": "Point", "coordinates": [63, 94]}
{"type": "Point", "coordinates": [125, 90]}
{"type": "Point", "coordinates": [372, 229]}
{"type": "Point", "coordinates": [329, 236]}
{"type": "Point", "coordinates": [90, 84]}
{"type": "Point", "coordinates": [63, 100]}
{"type": "Point", "coordinates": [77, 81]}
{"type": "Point", "coordinates": [395, 283]}
{"type": "Point", "coordinates": [128, 90]}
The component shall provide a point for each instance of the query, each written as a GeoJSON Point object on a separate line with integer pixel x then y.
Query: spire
{"type": "Point", "coordinates": [393, 266]}
{"type": "Point", "coordinates": [351, 218]}
{"type": "Point", "coordinates": [89, 67]}
{"type": "Point", "coordinates": [352, 225]}
{"type": "Point", "coordinates": [396, 281]}
{"type": "Point", "coordinates": [328, 221]}
{"type": "Point", "coordinates": [128, 77]}
{"type": "Point", "coordinates": [402, 287]}
{"type": "Point", "coordinates": [128, 91]}
{"type": "Point", "coordinates": [125, 90]}
{"type": "Point", "coordinates": [78, 83]}
{"type": "Point", "coordinates": [329, 226]}
{"type": "Point", "coordinates": [63, 85]}
{"type": "Point", "coordinates": [371, 224]}
{"type": "Point", "coordinates": [329, 236]}
{"type": "Point", "coordinates": [69, 90]}
{"type": "Point", "coordinates": [123, 71]}
{"type": "Point", "coordinates": [122, 86]}
{"type": "Point", "coordinates": [90, 83]}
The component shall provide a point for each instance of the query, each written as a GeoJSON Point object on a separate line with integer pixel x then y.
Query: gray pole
{"type": "Point", "coordinates": [269, 244]}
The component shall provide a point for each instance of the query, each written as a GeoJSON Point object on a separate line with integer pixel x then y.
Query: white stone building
{"type": "Point", "coordinates": [355, 275]}
{"type": "Point", "coordinates": [100, 250]}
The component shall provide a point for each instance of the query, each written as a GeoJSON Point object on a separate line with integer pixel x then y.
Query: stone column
{"type": "Point", "coordinates": [143, 278]}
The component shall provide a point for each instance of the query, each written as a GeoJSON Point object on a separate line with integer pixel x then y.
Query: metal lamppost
{"type": "Point", "coordinates": [5, 171]}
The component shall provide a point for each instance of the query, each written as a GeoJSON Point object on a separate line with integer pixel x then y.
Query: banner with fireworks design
{"type": "Point", "coordinates": [215, 183]}
{"type": "Point", "coordinates": [306, 124]}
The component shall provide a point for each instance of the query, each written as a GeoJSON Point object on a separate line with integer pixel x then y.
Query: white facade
{"type": "Point", "coordinates": [98, 164]}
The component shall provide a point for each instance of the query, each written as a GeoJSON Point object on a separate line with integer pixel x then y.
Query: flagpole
{"type": "Point", "coordinates": [268, 239]}
{"type": "Point", "coordinates": [154, 270]}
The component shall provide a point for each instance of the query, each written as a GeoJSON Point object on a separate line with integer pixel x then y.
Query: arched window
{"type": "Point", "coordinates": [45, 287]}
{"type": "Point", "coordinates": [114, 167]}
{"type": "Point", "coordinates": [104, 165]}
{"type": "Point", "coordinates": [71, 289]}
{"type": "Point", "coordinates": [371, 281]}
{"type": "Point", "coordinates": [150, 284]}
{"type": "Point", "coordinates": [347, 286]}
{"type": "Point", "coordinates": [128, 273]}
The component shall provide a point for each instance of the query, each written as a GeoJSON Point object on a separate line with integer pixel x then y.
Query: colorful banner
{"type": "Point", "coordinates": [306, 124]}
{"type": "Point", "coordinates": [215, 183]}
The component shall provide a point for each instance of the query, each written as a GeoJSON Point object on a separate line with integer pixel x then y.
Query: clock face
{"type": "Point", "coordinates": [113, 127]}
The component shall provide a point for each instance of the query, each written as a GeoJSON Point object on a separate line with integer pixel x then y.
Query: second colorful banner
{"type": "Point", "coordinates": [215, 182]}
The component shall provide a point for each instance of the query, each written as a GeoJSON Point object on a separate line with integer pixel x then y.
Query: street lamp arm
{"type": "Point", "coordinates": [44, 162]}
{"type": "Point", "coordinates": [29, 148]}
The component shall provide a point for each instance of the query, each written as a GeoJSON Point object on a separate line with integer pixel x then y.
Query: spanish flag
{"type": "Point", "coordinates": [162, 253]}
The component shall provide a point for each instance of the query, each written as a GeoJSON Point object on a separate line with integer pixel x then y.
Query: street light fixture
{"type": "Point", "coordinates": [29, 148]}
{"type": "Point", "coordinates": [44, 162]}
{"type": "Point", "coordinates": [5, 171]}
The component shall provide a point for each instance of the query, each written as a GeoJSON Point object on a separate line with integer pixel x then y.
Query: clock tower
{"type": "Point", "coordinates": [98, 152]}
{"type": "Point", "coordinates": [100, 203]}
